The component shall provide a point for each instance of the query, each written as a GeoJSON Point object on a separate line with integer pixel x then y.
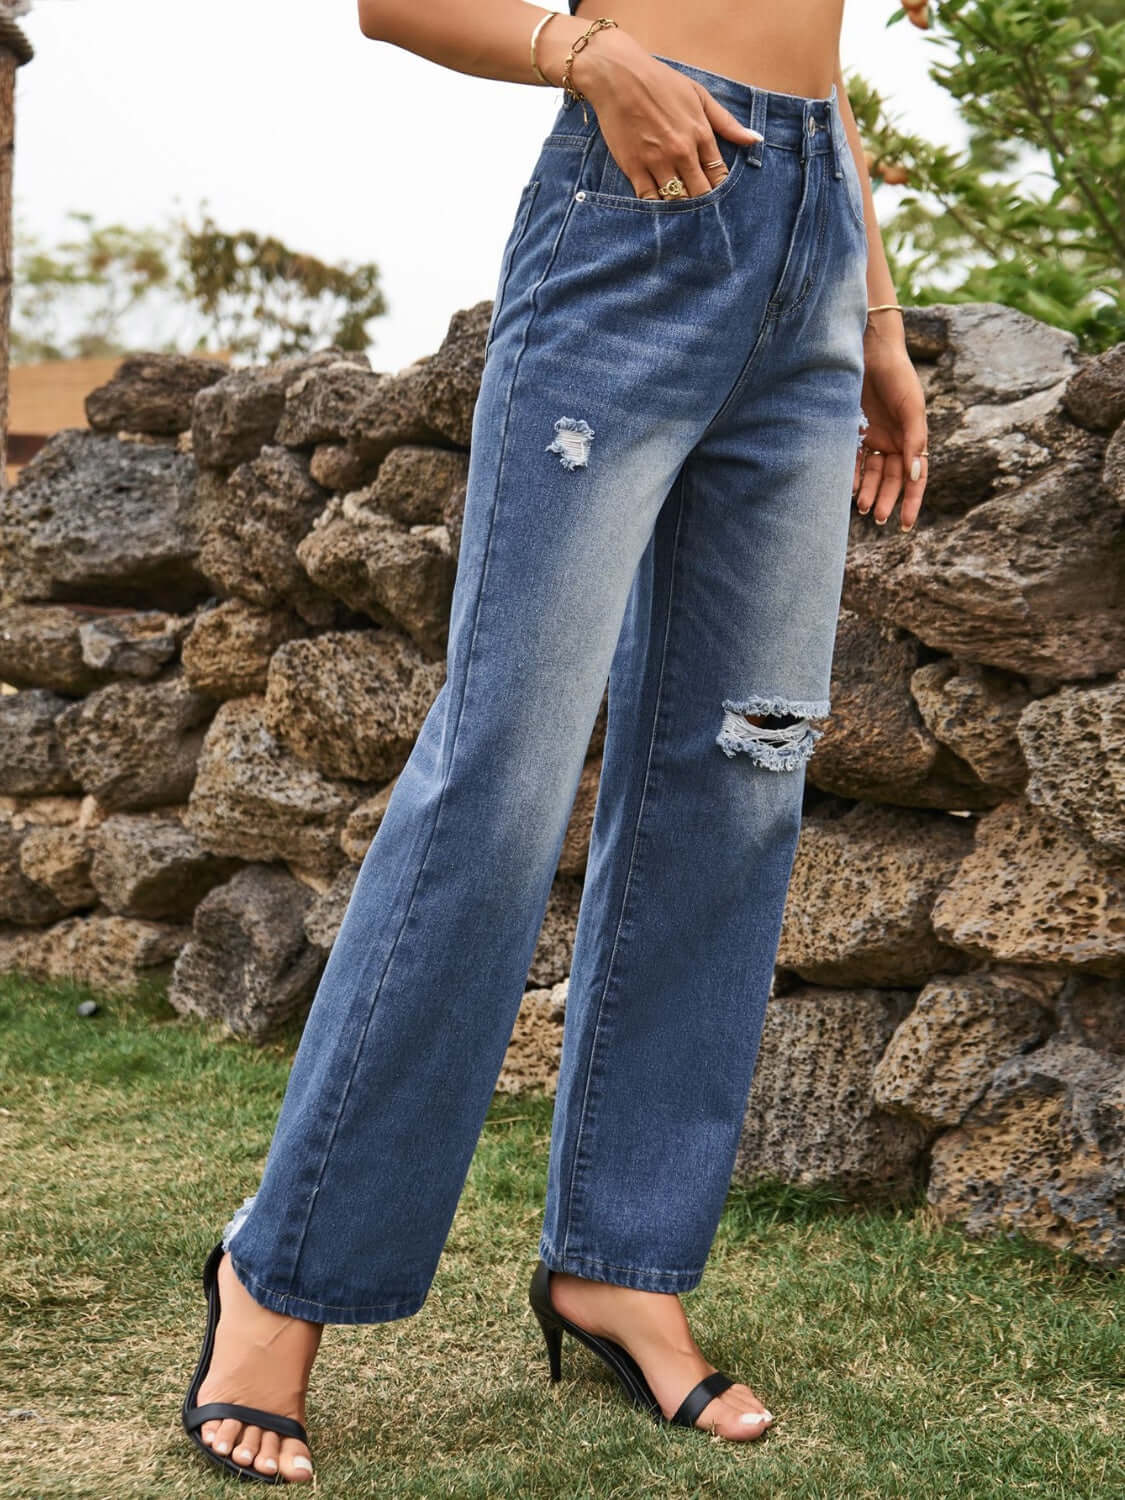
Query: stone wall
{"type": "Point", "coordinates": [223, 617]}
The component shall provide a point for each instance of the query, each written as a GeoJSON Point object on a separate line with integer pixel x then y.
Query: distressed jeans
{"type": "Point", "coordinates": [658, 498]}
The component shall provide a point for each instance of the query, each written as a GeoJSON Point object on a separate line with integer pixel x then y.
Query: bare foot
{"type": "Point", "coordinates": [654, 1328]}
{"type": "Point", "coordinates": [260, 1359]}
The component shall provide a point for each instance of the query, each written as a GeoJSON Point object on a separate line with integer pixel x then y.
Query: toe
{"type": "Point", "coordinates": [208, 1430]}
{"type": "Point", "coordinates": [248, 1445]}
{"type": "Point", "coordinates": [268, 1450]}
{"type": "Point", "coordinates": [736, 1414]}
{"type": "Point", "coordinates": [228, 1435]}
{"type": "Point", "coordinates": [295, 1461]}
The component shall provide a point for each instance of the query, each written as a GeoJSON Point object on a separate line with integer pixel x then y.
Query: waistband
{"type": "Point", "coordinates": [793, 122]}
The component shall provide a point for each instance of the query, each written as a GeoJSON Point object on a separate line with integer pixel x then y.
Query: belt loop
{"type": "Point", "coordinates": [836, 125]}
{"type": "Point", "coordinates": [758, 123]}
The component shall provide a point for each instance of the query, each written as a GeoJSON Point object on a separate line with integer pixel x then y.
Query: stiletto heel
{"type": "Point", "coordinates": [617, 1357]}
{"type": "Point", "coordinates": [552, 1333]}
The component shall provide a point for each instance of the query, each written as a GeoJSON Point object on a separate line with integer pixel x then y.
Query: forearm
{"type": "Point", "coordinates": [880, 286]}
{"type": "Point", "coordinates": [485, 38]}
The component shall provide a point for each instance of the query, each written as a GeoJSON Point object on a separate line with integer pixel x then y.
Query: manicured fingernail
{"type": "Point", "coordinates": [880, 520]}
{"type": "Point", "coordinates": [863, 509]}
{"type": "Point", "coordinates": [916, 468]}
{"type": "Point", "coordinates": [908, 526]}
{"type": "Point", "coordinates": [301, 1462]}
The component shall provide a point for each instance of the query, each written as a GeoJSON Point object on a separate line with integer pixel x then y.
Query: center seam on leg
{"type": "Point", "coordinates": [586, 1111]}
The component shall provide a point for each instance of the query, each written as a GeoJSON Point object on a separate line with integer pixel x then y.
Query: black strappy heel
{"type": "Point", "coordinates": [212, 1411]}
{"type": "Point", "coordinates": [617, 1357]}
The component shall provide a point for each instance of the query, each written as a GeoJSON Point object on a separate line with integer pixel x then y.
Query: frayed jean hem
{"type": "Point", "coordinates": [640, 1278]}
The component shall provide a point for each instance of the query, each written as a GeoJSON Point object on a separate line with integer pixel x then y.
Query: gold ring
{"type": "Point", "coordinates": [709, 164]}
{"type": "Point", "coordinates": [879, 451]}
{"type": "Point", "coordinates": [673, 188]}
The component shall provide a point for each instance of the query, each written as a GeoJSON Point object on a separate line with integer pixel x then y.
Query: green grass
{"type": "Point", "coordinates": [899, 1359]}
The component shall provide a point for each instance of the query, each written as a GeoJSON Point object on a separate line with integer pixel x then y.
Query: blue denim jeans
{"type": "Point", "coordinates": [659, 492]}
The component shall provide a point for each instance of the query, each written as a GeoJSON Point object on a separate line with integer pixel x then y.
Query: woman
{"type": "Point", "coordinates": [694, 323]}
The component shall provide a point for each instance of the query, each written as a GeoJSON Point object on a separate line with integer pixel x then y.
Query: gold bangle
{"type": "Point", "coordinates": [569, 90]}
{"type": "Point", "coordinates": [879, 307]}
{"type": "Point", "coordinates": [539, 25]}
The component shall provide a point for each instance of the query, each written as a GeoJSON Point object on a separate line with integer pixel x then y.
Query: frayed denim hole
{"type": "Point", "coordinates": [572, 441]}
{"type": "Point", "coordinates": [775, 747]}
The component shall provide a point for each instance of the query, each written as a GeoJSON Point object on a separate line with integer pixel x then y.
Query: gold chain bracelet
{"type": "Point", "coordinates": [573, 94]}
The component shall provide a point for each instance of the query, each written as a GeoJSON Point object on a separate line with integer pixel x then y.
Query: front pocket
{"type": "Point", "coordinates": [515, 235]}
{"type": "Point", "coordinates": [613, 189]}
{"type": "Point", "coordinates": [852, 186]}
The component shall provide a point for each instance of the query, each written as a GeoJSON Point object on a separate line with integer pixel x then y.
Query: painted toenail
{"type": "Point", "coordinates": [269, 1463]}
{"type": "Point", "coordinates": [302, 1463]}
{"type": "Point", "coordinates": [244, 1453]}
{"type": "Point", "coordinates": [753, 1416]}
{"type": "Point", "coordinates": [222, 1448]}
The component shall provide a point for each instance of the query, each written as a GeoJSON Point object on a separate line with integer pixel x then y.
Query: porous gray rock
{"type": "Point", "coordinates": [975, 710]}
{"type": "Point", "coordinates": [449, 381]}
{"type": "Point", "coordinates": [254, 800]}
{"type": "Point", "coordinates": [134, 745]}
{"type": "Point", "coordinates": [22, 900]}
{"type": "Point", "coordinates": [351, 703]}
{"type": "Point", "coordinates": [326, 910]}
{"type": "Point", "coordinates": [875, 744]}
{"type": "Point", "coordinates": [576, 841]}
{"type": "Point", "coordinates": [363, 823]}
{"type": "Point", "coordinates": [942, 1056]}
{"type": "Point", "coordinates": [811, 1118]}
{"type": "Point", "coordinates": [40, 647]}
{"type": "Point", "coordinates": [322, 405]}
{"type": "Point", "coordinates": [1074, 744]}
{"type": "Point", "coordinates": [228, 651]}
{"type": "Point", "coordinates": [1042, 1154]}
{"type": "Point", "coordinates": [862, 890]}
{"type": "Point", "coordinates": [57, 858]}
{"type": "Point", "coordinates": [32, 759]}
{"type": "Point", "coordinates": [248, 963]}
{"type": "Point", "coordinates": [132, 645]}
{"type": "Point", "coordinates": [531, 1059]}
{"type": "Point", "coordinates": [150, 865]}
{"type": "Point", "coordinates": [115, 954]}
{"type": "Point", "coordinates": [1033, 890]}
{"type": "Point", "coordinates": [104, 521]}
{"type": "Point", "coordinates": [1091, 1011]}
{"type": "Point", "coordinates": [416, 483]}
{"type": "Point", "coordinates": [554, 947]}
{"type": "Point", "coordinates": [238, 415]}
{"type": "Point", "coordinates": [1029, 581]}
{"type": "Point", "coordinates": [1095, 393]}
{"type": "Point", "coordinates": [152, 392]}
{"type": "Point", "coordinates": [399, 575]}
{"type": "Point", "coordinates": [997, 353]}
{"type": "Point", "coordinates": [250, 524]}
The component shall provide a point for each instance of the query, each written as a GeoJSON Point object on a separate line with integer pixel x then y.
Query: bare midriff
{"type": "Point", "coordinates": [787, 45]}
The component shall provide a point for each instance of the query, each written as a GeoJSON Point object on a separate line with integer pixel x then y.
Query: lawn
{"type": "Point", "coordinates": [899, 1359]}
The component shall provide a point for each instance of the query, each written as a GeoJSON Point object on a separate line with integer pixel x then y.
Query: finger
{"type": "Point", "coordinates": [917, 467]}
{"type": "Point", "coordinates": [869, 484]}
{"type": "Point", "coordinates": [857, 472]}
{"type": "Point", "coordinates": [723, 122]}
{"type": "Point", "coordinates": [889, 487]}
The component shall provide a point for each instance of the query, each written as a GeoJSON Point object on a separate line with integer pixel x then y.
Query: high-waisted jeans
{"type": "Point", "coordinates": [660, 481]}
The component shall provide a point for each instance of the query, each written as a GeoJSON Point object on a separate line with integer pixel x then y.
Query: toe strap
{"type": "Point", "coordinates": [697, 1398]}
{"type": "Point", "coordinates": [249, 1416]}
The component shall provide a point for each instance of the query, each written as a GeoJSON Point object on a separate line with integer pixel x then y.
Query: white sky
{"type": "Point", "coordinates": [284, 118]}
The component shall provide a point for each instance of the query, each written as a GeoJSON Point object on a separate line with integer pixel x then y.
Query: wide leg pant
{"type": "Point", "coordinates": [659, 491]}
